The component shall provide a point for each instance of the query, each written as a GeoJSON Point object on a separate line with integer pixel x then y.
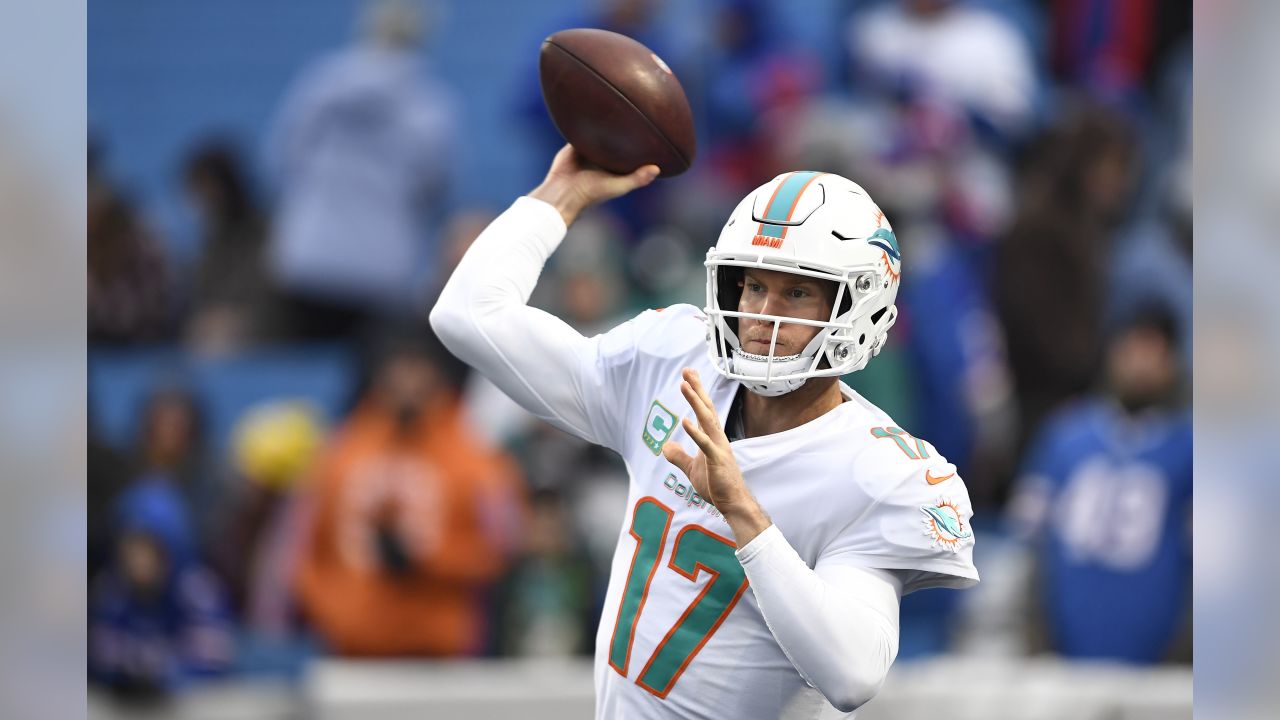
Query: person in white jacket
{"type": "Point", "coordinates": [751, 465]}
{"type": "Point", "coordinates": [361, 151]}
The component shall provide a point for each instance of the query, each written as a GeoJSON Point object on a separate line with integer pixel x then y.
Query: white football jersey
{"type": "Point", "coordinates": [681, 635]}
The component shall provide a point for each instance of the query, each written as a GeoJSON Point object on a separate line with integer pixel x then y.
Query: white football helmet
{"type": "Point", "coordinates": [817, 225]}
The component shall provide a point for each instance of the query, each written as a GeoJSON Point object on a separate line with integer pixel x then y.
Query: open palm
{"type": "Point", "coordinates": [713, 472]}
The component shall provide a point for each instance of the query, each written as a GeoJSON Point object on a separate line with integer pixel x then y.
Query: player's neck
{"type": "Point", "coordinates": [767, 415]}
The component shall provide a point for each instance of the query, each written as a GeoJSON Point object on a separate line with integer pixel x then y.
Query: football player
{"type": "Point", "coordinates": [775, 517]}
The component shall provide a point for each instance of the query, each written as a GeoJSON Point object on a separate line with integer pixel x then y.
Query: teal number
{"type": "Point", "coordinates": [696, 550]}
{"type": "Point", "coordinates": [900, 436]}
{"type": "Point", "coordinates": [649, 525]}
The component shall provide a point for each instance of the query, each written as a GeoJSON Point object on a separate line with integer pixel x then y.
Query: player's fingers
{"type": "Point", "coordinates": [701, 438]}
{"type": "Point", "coordinates": [692, 377]}
{"type": "Point", "coordinates": [678, 457]}
{"type": "Point", "coordinates": [566, 159]}
{"type": "Point", "coordinates": [702, 406]}
{"type": "Point", "coordinates": [623, 184]}
{"type": "Point", "coordinates": [644, 174]}
{"type": "Point", "coordinates": [706, 415]}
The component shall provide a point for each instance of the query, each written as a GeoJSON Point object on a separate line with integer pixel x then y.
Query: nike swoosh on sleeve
{"type": "Point", "coordinates": [932, 480]}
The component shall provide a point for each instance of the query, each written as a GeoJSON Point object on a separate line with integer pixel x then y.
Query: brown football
{"type": "Point", "coordinates": [616, 102]}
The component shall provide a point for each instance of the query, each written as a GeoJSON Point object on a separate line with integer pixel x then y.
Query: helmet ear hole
{"type": "Point", "coordinates": [862, 339]}
{"type": "Point", "coordinates": [846, 304]}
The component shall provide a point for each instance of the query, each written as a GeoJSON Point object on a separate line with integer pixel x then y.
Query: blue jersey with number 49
{"type": "Point", "coordinates": [1109, 497]}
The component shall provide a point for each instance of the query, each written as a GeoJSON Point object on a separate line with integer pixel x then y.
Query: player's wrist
{"type": "Point", "coordinates": [562, 196]}
{"type": "Point", "coordinates": [745, 517]}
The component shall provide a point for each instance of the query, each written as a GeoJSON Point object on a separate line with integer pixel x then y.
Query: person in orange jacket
{"type": "Point", "coordinates": [413, 520]}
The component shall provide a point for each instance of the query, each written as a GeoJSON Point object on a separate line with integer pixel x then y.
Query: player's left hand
{"type": "Point", "coordinates": [714, 473]}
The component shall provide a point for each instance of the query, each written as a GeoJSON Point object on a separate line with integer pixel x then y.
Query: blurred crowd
{"type": "Point", "coordinates": [1032, 156]}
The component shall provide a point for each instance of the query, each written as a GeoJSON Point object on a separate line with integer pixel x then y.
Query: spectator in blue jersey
{"type": "Point", "coordinates": [1105, 496]}
{"type": "Point", "coordinates": [362, 152]}
{"type": "Point", "coordinates": [172, 445]}
{"type": "Point", "coordinates": [158, 620]}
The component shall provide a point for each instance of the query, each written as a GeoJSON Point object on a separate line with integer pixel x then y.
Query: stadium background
{"type": "Point", "coordinates": [231, 401]}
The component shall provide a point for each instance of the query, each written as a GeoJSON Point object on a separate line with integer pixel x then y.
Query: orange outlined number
{"type": "Point", "coordinates": [696, 550]}
{"type": "Point", "coordinates": [649, 524]}
{"type": "Point", "coordinates": [901, 437]}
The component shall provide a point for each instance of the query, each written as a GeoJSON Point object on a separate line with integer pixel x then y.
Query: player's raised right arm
{"type": "Point", "coordinates": [482, 315]}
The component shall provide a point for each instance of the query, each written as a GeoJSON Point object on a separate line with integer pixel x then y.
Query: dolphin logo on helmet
{"type": "Point", "coordinates": [816, 225]}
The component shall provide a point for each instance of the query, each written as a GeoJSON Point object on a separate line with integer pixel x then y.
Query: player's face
{"type": "Point", "coordinates": [772, 292]}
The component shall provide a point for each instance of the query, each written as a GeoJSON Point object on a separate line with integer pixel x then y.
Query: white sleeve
{"type": "Point", "coordinates": [919, 521]}
{"type": "Point", "coordinates": [837, 623]}
{"type": "Point", "coordinates": [534, 357]}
